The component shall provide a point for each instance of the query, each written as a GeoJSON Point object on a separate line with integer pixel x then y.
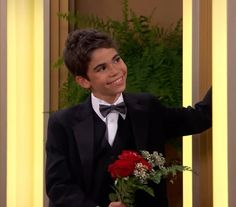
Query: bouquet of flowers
{"type": "Point", "coordinates": [133, 171]}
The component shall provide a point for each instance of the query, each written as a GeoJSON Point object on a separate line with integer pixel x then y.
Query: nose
{"type": "Point", "coordinates": [113, 69]}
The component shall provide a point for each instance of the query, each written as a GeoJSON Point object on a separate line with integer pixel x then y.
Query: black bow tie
{"type": "Point", "coordinates": [106, 109]}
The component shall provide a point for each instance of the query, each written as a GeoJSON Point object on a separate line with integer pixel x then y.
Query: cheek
{"type": "Point", "coordinates": [124, 67]}
{"type": "Point", "coordinates": [100, 81]}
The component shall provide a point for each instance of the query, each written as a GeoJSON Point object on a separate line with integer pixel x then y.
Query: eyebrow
{"type": "Point", "coordinates": [102, 64]}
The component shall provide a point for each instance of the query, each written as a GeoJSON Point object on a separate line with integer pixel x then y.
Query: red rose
{"type": "Point", "coordinates": [126, 164]}
{"type": "Point", "coordinates": [121, 168]}
{"type": "Point", "coordinates": [130, 155]}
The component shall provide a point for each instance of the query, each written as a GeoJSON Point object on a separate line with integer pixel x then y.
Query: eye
{"type": "Point", "coordinates": [100, 68]}
{"type": "Point", "coordinates": [117, 59]}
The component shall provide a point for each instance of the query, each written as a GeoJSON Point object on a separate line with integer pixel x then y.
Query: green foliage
{"type": "Point", "coordinates": [153, 55]}
{"type": "Point", "coordinates": [71, 94]}
{"type": "Point", "coordinates": [126, 188]}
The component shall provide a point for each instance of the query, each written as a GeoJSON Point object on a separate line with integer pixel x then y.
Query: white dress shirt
{"type": "Point", "coordinates": [111, 119]}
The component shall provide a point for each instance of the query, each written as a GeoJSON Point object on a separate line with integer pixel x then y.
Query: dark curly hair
{"type": "Point", "coordinates": [79, 47]}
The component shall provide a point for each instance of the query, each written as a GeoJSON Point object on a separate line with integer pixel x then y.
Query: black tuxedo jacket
{"type": "Point", "coordinates": [70, 141]}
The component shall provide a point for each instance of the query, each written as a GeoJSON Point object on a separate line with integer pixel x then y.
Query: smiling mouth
{"type": "Point", "coordinates": [117, 81]}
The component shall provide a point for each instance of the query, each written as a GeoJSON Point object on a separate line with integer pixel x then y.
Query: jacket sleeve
{"type": "Point", "coordinates": [61, 187]}
{"type": "Point", "coordinates": [187, 120]}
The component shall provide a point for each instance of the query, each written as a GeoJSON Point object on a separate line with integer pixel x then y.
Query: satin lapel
{"type": "Point", "coordinates": [84, 134]}
{"type": "Point", "coordinates": [139, 119]}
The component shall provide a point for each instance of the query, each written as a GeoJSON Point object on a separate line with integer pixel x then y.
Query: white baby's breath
{"type": "Point", "coordinates": [141, 172]}
{"type": "Point", "coordinates": [155, 159]}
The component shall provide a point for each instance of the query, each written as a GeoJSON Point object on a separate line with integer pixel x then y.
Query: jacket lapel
{"type": "Point", "coordinates": [138, 114]}
{"type": "Point", "coordinates": [84, 134]}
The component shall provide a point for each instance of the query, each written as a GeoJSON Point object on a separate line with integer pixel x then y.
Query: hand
{"type": "Point", "coordinates": [116, 204]}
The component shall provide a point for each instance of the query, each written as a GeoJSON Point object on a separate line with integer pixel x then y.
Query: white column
{"type": "Point", "coordinates": [220, 110]}
{"type": "Point", "coordinates": [224, 99]}
{"type": "Point", "coordinates": [25, 70]}
{"type": "Point", "coordinates": [187, 95]}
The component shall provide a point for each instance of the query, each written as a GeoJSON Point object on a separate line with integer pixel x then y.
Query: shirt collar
{"type": "Point", "coordinates": [96, 101]}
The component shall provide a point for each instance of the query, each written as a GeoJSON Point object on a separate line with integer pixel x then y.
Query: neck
{"type": "Point", "coordinates": [109, 99]}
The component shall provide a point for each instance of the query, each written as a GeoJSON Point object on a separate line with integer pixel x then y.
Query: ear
{"type": "Point", "coordinates": [83, 82]}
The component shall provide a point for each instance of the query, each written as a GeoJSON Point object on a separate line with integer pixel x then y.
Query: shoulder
{"type": "Point", "coordinates": [69, 115]}
{"type": "Point", "coordinates": [141, 98]}
{"type": "Point", "coordinates": [64, 115]}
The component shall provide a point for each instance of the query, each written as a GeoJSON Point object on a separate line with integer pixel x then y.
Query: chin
{"type": "Point", "coordinates": [122, 89]}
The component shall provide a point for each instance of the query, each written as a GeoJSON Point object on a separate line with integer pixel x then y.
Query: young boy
{"type": "Point", "coordinates": [82, 140]}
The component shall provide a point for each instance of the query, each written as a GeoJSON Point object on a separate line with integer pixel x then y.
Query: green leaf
{"type": "Point", "coordinates": [113, 197]}
{"type": "Point", "coordinates": [59, 62]}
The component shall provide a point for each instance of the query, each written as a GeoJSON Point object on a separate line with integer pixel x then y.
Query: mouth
{"type": "Point", "coordinates": [118, 81]}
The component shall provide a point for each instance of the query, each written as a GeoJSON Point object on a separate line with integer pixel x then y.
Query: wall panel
{"type": "Point", "coordinates": [3, 102]}
{"type": "Point", "coordinates": [58, 32]}
{"type": "Point", "coordinates": [205, 73]}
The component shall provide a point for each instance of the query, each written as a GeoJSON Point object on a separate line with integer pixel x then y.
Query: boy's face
{"type": "Point", "coordinates": [106, 75]}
